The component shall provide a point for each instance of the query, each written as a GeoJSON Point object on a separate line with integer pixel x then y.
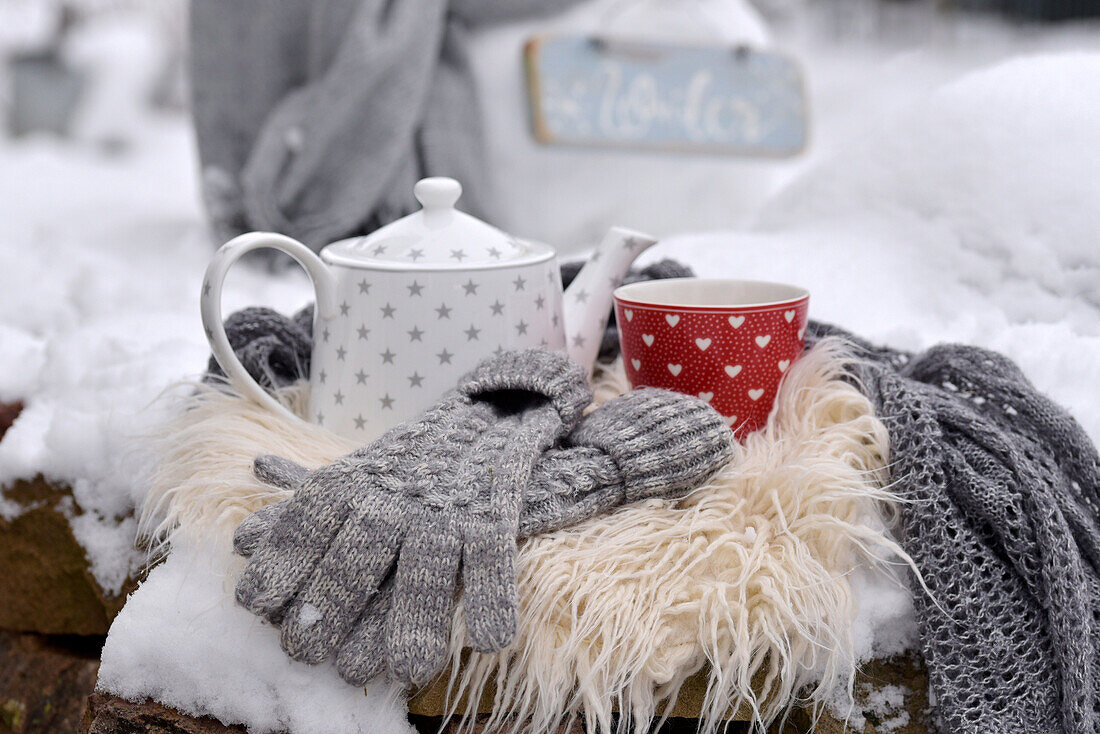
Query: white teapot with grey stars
{"type": "Point", "coordinates": [404, 312]}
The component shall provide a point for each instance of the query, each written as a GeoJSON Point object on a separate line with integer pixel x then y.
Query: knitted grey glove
{"type": "Point", "coordinates": [664, 444]}
{"type": "Point", "coordinates": [424, 497]}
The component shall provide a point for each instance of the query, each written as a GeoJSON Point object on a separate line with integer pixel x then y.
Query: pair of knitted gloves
{"type": "Point", "coordinates": [363, 561]}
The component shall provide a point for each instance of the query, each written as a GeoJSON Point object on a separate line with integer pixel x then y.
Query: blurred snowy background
{"type": "Point", "coordinates": [951, 191]}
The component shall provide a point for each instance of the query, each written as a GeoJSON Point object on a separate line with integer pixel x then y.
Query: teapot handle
{"type": "Point", "coordinates": [210, 301]}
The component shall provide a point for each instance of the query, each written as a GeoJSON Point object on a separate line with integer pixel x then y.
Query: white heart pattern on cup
{"type": "Point", "coordinates": [672, 319]}
{"type": "Point", "coordinates": [706, 396]}
{"type": "Point", "coordinates": [757, 393]}
{"type": "Point", "coordinates": [702, 344]}
{"type": "Point", "coordinates": [784, 364]}
{"type": "Point", "coordinates": [736, 321]}
{"type": "Point", "coordinates": [637, 363]}
{"type": "Point", "coordinates": [763, 341]}
{"type": "Point", "coordinates": [801, 332]}
{"type": "Point", "coordinates": [789, 315]}
{"type": "Point", "coordinates": [675, 369]}
{"type": "Point", "coordinates": [733, 370]}
{"type": "Point", "coordinates": [648, 339]}
{"type": "Point", "coordinates": [629, 314]}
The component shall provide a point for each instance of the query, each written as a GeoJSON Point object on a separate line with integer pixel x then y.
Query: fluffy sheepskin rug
{"type": "Point", "coordinates": [744, 580]}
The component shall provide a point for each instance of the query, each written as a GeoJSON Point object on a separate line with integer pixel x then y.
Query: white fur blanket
{"type": "Point", "coordinates": [745, 578]}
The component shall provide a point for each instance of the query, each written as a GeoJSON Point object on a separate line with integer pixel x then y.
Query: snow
{"type": "Point", "coordinates": [973, 220]}
{"type": "Point", "coordinates": [950, 193]}
{"type": "Point", "coordinates": [182, 640]}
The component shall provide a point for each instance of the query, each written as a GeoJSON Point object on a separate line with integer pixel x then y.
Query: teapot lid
{"type": "Point", "coordinates": [438, 237]}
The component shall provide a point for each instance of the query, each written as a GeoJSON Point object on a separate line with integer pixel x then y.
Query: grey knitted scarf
{"type": "Point", "coordinates": [315, 119]}
{"type": "Point", "coordinates": [1003, 520]}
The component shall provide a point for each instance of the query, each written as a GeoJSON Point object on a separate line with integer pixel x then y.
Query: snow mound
{"type": "Point", "coordinates": [101, 262]}
{"type": "Point", "coordinates": [182, 640]}
{"type": "Point", "coordinates": [969, 215]}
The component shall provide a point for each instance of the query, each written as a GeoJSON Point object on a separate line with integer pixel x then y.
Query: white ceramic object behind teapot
{"type": "Point", "coordinates": [404, 312]}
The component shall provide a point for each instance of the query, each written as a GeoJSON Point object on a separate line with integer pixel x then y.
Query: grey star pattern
{"type": "Point", "coordinates": [470, 287]}
{"type": "Point", "coordinates": [344, 308]}
{"type": "Point", "coordinates": [322, 377]}
{"type": "Point", "coordinates": [206, 288]}
{"type": "Point", "coordinates": [498, 351]}
{"type": "Point", "coordinates": [521, 327]}
{"type": "Point", "coordinates": [519, 283]}
{"type": "Point", "coordinates": [363, 331]}
{"type": "Point", "coordinates": [361, 377]}
{"type": "Point", "coordinates": [458, 255]}
{"type": "Point", "coordinates": [595, 256]}
{"type": "Point", "coordinates": [388, 311]}
{"type": "Point", "coordinates": [494, 253]}
{"type": "Point", "coordinates": [630, 243]}
{"type": "Point", "coordinates": [387, 356]}
{"type": "Point", "coordinates": [364, 286]}
{"type": "Point", "coordinates": [338, 397]}
{"type": "Point", "coordinates": [209, 334]}
{"type": "Point", "coordinates": [387, 402]}
{"type": "Point", "coordinates": [325, 335]}
{"type": "Point", "coordinates": [540, 302]}
{"type": "Point", "coordinates": [415, 254]}
{"type": "Point", "coordinates": [556, 319]}
{"type": "Point", "coordinates": [582, 296]}
{"type": "Point", "coordinates": [414, 289]}
{"type": "Point", "coordinates": [415, 379]}
{"type": "Point", "coordinates": [415, 333]}
{"type": "Point", "coordinates": [320, 418]}
{"type": "Point", "coordinates": [578, 341]}
{"type": "Point", "coordinates": [443, 311]}
{"type": "Point", "coordinates": [444, 356]}
{"type": "Point", "coordinates": [497, 308]}
{"type": "Point", "coordinates": [471, 333]}
{"type": "Point", "coordinates": [378, 250]}
{"type": "Point", "coordinates": [360, 422]}
{"type": "Point", "coordinates": [341, 353]}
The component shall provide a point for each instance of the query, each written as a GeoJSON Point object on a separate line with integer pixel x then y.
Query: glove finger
{"type": "Point", "coordinates": [279, 472]}
{"type": "Point", "coordinates": [255, 528]}
{"type": "Point", "coordinates": [489, 588]}
{"type": "Point", "coordinates": [361, 656]}
{"type": "Point", "coordinates": [419, 623]}
{"type": "Point", "coordinates": [282, 563]}
{"type": "Point", "coordinates": [344, 581]}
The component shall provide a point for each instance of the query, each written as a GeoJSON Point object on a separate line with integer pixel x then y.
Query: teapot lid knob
{"type": "Point", "coordinates": [438, 192]}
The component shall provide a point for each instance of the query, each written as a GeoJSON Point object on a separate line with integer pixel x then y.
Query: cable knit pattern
{"type": "Point", "coordinates": [424, 497]}
{"type": "Point", "coordinates": [658, 439]}
{"type": "Point", "coordinates": [1003, 521]}
{"type": "Point", "coordinates": [568, 484]}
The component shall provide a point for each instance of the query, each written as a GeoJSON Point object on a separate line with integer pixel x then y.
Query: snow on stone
{"type": "Point", "coordinates": [101, 261]}
{"type": "Point", "coordinates": [183, 640]}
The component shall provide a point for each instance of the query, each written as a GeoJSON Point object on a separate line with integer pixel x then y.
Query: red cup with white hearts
{"type": "Point", "coordinates": [729, 342]}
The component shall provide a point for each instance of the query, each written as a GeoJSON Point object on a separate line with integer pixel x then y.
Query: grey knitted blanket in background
{"type": "Point", "coordinates": [1003, 520]}
{"type": "Point", "coordinates": [1002, 517]}
{"type": "Point", "coordinates": [315, 119]}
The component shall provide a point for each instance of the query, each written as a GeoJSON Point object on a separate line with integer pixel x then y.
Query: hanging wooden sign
{"type": "Point", "coordinates": [593, 91]}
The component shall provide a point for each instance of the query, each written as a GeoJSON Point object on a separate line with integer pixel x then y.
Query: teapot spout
{"type": "Point", "coordinates": [588, 299]}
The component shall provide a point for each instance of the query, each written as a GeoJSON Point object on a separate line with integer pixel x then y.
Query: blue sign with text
{"type": "Point", "coordinates": [587, 90]}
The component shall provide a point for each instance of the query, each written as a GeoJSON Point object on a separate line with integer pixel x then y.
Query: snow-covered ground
{"type": "Point", "coordinates": [952, 192]}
